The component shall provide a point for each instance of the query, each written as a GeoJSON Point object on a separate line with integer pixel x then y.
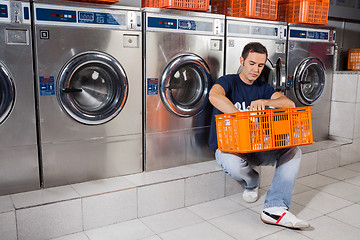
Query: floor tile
{"type": "Point", "coordinates": [355, 181]}
{"type": "Point", "coordinates": [216, 208]}
{"type": "Point", "coordinates": [244, 225]}
{"type": "Point", "coordinates": [129, 230]}
{"type": "Point", "coordinates": [349, 215]}
{"type": "Point", "coordinates": [331, 229]}
{"type": "Point", "coordinates": [238, 199]}
{"type": "Point", "coordinates": [299, 188]}
{"type": "Point", "coordinates": [320, 201]}
{"type": "Point", "coordinates": [340, 173]}
{"type": "Point", "coordinates": [316, 180]}
{"type": "Point", "coordinates": [75, 236]}
{"type": "Point", "coordinates": [168, 221]}
{"type": "Point", "coordinates": [200, 231]}
{"type": "Point", "coordinates": [285, 235]}
{"type": "Point", "coordinates": [343, 190]}
{"type": "Point", "coordinates": [155, 237]}
{"type": "Point", "coordinates": [354, 166]}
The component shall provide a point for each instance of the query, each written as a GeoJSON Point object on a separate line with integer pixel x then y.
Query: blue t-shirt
{"type": "Point", "coordinates": [238, 91]}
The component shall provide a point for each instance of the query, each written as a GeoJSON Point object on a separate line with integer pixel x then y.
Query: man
{"type": "Point", "coordinates": [247, 90]}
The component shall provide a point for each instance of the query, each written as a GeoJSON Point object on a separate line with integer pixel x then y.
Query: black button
{"type": "Point", "coordinates": [44, 34]}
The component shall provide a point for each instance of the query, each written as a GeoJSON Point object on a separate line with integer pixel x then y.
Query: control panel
{"type": "Point", "coordinates": [256, 30]}
{"type": "Point", "coordinates": [14, 12]}
{"type": "Point", "coordinates": [162, 23]}
{"type": "Point", "coordinates": [314, 35]}
{"type": "Point", "coordinates": [46, 14]}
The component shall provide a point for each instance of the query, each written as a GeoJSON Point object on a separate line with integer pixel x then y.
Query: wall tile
{"type": "Point", "coordinates": [49, 221]}
{"type": "Point", "coordinates": [328, 159]}
{"type": "Point", "coordinates": [232, 186]}
{"type": "Point", "coordinates": [204, 188]}
{"type": "Point", "coordinates": [110, 208]}
{"type": "Point", "coordinates": [162, 197]}
{"type": "Point", "coordinates": [342, 119]}
{"type": "Point", "coordinates": [345, 87]}
{"type": "Point", "coordinates": [308, 164]}
{"type": "Point", "coordinates": [350, 153]}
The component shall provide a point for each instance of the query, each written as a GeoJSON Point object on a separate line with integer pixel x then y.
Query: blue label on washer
{"type": "Point", "coordinates": [3, 11]}
{"type": "Point", "coordinates": [162, 23]}
{"type": "Point", "coordinates": [152, 86]}
{"type": "Point", "coordinates": [47, 85]}
{"type": "Point", "coordinates": [55, 15]}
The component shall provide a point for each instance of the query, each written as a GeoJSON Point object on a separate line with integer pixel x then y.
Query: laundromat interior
{"type": "Point", "coordinates": [105, 117]}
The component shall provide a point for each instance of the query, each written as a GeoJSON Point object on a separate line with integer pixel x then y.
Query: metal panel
{"type": "Point", "coordinates": [85, 160]}
{"type": "Point", "coordinates": [177, 148]}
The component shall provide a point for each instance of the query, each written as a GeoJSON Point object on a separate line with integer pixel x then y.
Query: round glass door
{"type": "Point", "coordinates": [92, 88]}
{"type": "Point", "coordinates": [184, 85]}
{"type": "Point", "coordinates": [7, 93]}
{"type": "Point", "coordinates": [309, 82]}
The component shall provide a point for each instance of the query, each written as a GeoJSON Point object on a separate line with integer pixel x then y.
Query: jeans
{"type": "Point", "coordinates": [287, 160]}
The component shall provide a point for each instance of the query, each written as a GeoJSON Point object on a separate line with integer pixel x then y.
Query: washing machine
{"type": "Point", "coordinates": [89, 87]}
{"type": "Point", "coordinates": [19, 167]}
{"type": "Point", "coordinates": [271, 34]}
{"type": "Point", "coordinates": [184, 55]}
{"type": "Point", "coordinates": [310, 57]}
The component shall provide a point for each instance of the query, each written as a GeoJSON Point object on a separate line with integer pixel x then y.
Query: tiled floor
{"type": "Point", "coordinates": [330, 201]}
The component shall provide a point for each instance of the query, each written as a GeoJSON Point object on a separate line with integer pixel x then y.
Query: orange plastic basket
{"type": "Point", "coordinates": [253, 131]}
{"type": "Point", "coordinates": [304, 11]}
{"type": "Point", "coordinates": [193, 5]}
{"type": "Point", "coordinates": [261, 9]}
{"type": "Point", "coordinates": [354, 59]}
{"type": "Point", "coordinates": [97, 1]}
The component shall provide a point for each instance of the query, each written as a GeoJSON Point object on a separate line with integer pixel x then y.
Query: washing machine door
{"type": "Point", "coordinates": [92, 88]}
{"type": "Point", "coordinates": [309, 81]}
{"type": "Point", "coordinates": [7, 93]}
{"type": "Point", "coordinates": [184, 85]}
{"type": "Point", "coordinates": [273, 73]}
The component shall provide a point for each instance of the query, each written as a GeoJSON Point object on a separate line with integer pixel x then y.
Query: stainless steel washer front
{"type": "Point", "coordinates": [89, 82]}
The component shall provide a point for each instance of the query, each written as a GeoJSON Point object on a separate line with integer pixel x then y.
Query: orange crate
{"type": "Point", "coordinates": [194, 5]}
{"type": "Point", "coordinates": [354, 59]}
{"type": "Point", "coordinates": [97, 1]}
{"type": "Point", "coordinates": [304, 11]}
{"type": "Point", "coordinates": [253, 131]}
{"type": "Point", "coordinates": [261, 9]}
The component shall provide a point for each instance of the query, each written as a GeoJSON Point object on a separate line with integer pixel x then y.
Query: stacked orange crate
{"type": "Point", "coordinates": [193, 5]}
{"type": "Point", "coordinates": [354, 59]}
{"type": "Point", "coordinates": [261, 9]}
{"type": "Point", "coordinates": [304, 11]}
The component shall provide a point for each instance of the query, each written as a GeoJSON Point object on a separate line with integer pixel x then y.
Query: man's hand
{"type": "Point", "coordinates": [258, 105]}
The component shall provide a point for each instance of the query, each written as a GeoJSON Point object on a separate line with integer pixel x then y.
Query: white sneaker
{"type": "Point", "coordinates": [282, 217]}
{"type": "Point", "coordinates": [251, 195]}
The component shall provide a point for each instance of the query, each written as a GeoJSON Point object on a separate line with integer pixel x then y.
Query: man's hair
{"type": "Point", "coordinates": [253, 47]}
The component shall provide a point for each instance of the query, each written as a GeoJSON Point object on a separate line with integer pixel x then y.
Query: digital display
{"type": "Point", "coordinates": [3, 11]}
{"type": "Point", "coordinates": [85, 16]}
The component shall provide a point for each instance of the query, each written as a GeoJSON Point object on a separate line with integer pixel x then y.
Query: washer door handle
{"type": "Point", "coordinates": [72, 90]}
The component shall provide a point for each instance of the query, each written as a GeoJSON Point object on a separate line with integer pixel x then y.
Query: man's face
{"type": "Point", "coordinates": [252, 67]}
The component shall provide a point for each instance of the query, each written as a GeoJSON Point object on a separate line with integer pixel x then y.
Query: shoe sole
{"type": "Point", "coordinates": [276, 224]}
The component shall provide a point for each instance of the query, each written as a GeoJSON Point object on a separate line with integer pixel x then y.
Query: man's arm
{"type": "Point", "coordinates": [277, 100]}
{"type": "Point", "coordinates": [220, 101]}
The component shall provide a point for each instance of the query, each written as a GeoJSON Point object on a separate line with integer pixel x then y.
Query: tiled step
{"type": "Point", "coordinates": [59, 211]}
